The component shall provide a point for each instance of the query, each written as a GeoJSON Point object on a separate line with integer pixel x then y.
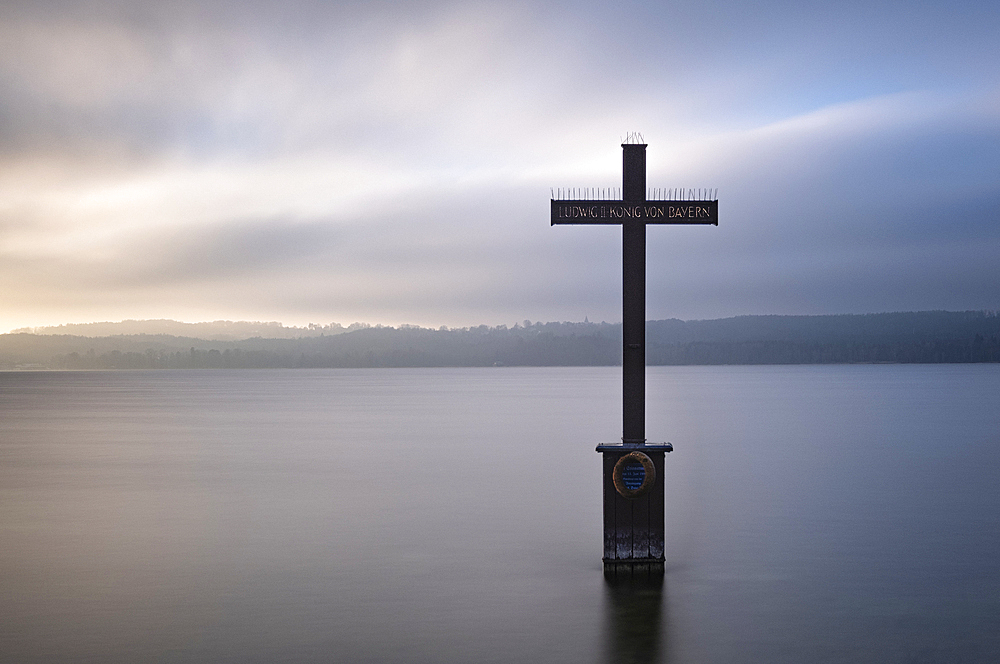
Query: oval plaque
{"type": "Point", "coordinates": [634, 475]}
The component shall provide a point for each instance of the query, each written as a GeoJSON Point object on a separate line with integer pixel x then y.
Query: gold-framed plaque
{"type": "Point", "coordinates": [634, 475]}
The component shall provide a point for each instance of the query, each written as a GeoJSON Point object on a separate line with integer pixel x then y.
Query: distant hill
{"type": "Point", "coordinates": [914, 337]}
{"type": "Point", "coordinates": [220, 330]}
{"type": "Point", "coordinates": [904, 337]}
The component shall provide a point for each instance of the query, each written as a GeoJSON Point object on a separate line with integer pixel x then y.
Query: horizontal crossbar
{"type": "Point", "coordinates": [650, 212]}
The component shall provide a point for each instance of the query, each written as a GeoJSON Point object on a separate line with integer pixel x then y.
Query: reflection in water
{"type": "Point", "coordinates": [633, 601]}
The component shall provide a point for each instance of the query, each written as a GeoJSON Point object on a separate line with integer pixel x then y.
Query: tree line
{"type": "Point", "coordinates": [918, 337]}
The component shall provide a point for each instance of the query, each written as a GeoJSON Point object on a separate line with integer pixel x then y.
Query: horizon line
{"type": "Point", "coordinates": [358, 325]}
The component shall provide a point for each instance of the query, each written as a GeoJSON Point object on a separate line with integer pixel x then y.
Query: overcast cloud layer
{"type": "Point", "coordinates": [317, 162]}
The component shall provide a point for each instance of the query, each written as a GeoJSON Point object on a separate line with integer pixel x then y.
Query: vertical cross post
{"type": "Point", "coordinates": [633, 298]}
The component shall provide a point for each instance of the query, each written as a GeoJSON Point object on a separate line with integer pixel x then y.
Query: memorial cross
{"type": "Point", "coordinates": [633, 212]}
{"type": "Point", "coordinates": [633, 470]}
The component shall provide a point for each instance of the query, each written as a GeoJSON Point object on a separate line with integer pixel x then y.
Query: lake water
{"type": "Point", "coordinates": [814, 514]}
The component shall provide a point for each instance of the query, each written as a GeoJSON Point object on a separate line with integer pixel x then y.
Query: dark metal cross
{"type": "Point", "coordinates": [633, 212]}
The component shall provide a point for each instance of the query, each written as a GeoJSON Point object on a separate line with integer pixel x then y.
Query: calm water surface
{"type": "Point", "coordinates": [814, 514]}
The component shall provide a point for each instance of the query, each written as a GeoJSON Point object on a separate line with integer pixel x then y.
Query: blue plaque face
{"type": "Point", "coordinates": [633, 475]}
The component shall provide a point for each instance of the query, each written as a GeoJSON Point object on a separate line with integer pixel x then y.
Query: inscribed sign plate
{"type": "Point", "coordinates": [650, 212]}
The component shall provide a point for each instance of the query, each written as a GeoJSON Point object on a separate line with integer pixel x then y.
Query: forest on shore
{"type": "Point", "coordinates": [911, 337]}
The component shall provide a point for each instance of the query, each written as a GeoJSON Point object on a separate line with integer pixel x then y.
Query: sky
{"type": "Point", "coordinates": [393, 163]}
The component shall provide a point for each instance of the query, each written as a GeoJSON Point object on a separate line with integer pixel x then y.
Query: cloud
{"type": "Point", "coordinates": [357, 161]}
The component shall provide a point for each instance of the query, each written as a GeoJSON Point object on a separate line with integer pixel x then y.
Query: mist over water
{"type": "Point", "coordinates": [814, 513]}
